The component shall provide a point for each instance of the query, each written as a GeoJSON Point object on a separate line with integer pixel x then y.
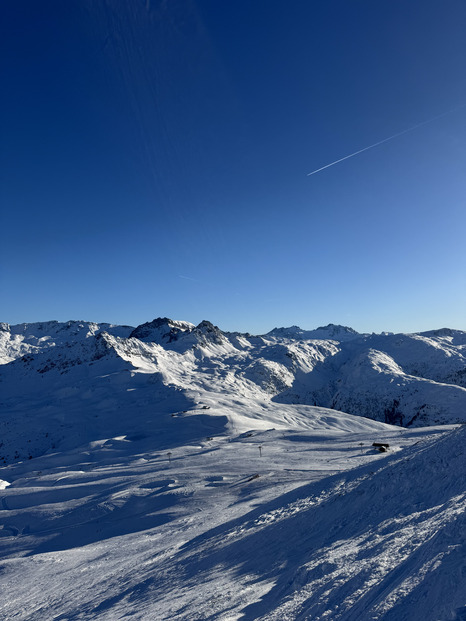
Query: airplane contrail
{"type": "Point", "coordinates": [188, 278]}
{"type": "Point", "coordinates": [376, 144]}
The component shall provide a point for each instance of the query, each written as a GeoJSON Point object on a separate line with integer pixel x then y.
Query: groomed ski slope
{"type": "Point", "coordinates": [315, 525]}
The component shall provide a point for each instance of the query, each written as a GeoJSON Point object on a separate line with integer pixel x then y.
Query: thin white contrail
{"type": "Point", "coordinates": [376, 144]}
{"type": "Point", "coordinates": [188, 278]}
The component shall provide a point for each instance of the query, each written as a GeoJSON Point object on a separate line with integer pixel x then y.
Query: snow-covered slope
{"type": "Point", "coordinates": [31, 338]}
{"type": "Point", "coordinates": [415, 379]}
{"type": "Point", "coordinates": [80, 379]}
{"type": "Point", "coordinates": [308, 524]}
{"type": "Point", "coordinates": [173, 471]}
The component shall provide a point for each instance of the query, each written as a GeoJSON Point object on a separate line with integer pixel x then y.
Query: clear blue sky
{"type": "Point", "coordinates": [154, 159]}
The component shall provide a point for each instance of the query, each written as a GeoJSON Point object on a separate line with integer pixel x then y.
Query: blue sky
{"type": "Point", "coordinates": [154, 162]}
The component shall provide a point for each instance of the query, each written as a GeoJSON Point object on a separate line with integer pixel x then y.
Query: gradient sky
{"type": "Point", "coordinates": [155, 155]}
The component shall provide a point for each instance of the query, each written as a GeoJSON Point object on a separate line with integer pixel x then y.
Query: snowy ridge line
{"type": "Point", "coordinates": [79, 382]}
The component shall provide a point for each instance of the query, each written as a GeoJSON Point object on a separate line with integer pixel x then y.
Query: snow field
{"type": "Point", "coordinates": [177, 472]}
{"type": "Point", "coordinates": [318, 525]}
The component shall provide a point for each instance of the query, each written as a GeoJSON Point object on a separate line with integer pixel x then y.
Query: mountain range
{"type": "Point", "coordinates": [178, 472]}
{"type": "Point", "coordinates": [56, 376]}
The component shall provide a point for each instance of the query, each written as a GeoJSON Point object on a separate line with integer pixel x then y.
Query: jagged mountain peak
{"type": "Point", "coordinates": [331, 366]}
{"type": "Point", "coordinates": [337, 329]}
{"type": "Point", "coordinates": [161, 330]}
{"type": "Point", "coordinates": [165, 331]}
{"type": "Point", "coordinates": [206, 328]}
{"type": "Point", "coordinates": [160, 322]}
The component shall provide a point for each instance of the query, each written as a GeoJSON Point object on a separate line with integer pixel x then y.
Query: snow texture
{"type": "Point", "coordinates": [173, 471]}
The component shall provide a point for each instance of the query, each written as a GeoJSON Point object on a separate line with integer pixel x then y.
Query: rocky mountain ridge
{"type": "Point", "coordinates": [58, 375]}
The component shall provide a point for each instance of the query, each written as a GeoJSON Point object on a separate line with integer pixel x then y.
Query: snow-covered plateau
{"type": "Point", "coordinates": [173, 471]}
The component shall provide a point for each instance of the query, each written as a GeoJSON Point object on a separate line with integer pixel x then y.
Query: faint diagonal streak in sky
{"type": "Point", "coordinates": [376, 144]}
{"type": "Point", "coordinates": [188, 278]}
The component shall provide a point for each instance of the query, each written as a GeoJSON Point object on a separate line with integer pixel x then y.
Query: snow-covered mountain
{"type": "Point", "coordinates": [330, 332]}
{"type": "Point", "coordinates": [173, 471]}
{"type": "Point", "coordinates": [57, 375]}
